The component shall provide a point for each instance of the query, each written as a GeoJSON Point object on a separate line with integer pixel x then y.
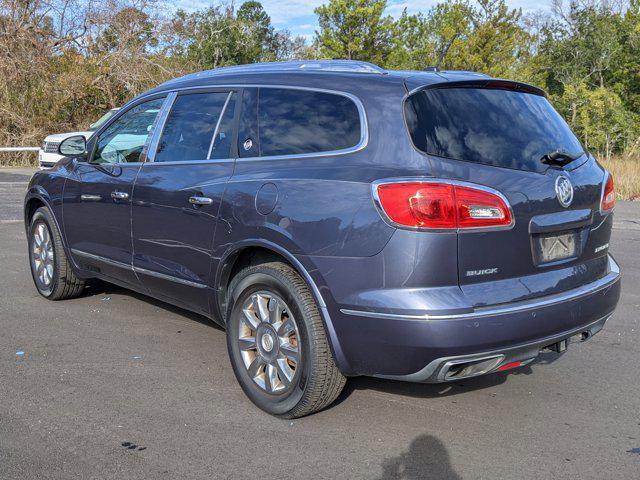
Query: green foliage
{"type": "Point", "coordinates": [220, 36]}
{"type": "Point", "coordinates": [589, 62]}
{"type": "Point", "coordinates": [355, 30]}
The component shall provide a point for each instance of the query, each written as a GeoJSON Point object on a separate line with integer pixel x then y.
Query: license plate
{"type": "Point", "coordinates": [556, 246]}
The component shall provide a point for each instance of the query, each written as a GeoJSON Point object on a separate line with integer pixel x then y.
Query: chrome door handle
{"type": "Point", "coordinates": [195, 200]}
{"type": "Point", "coordinates": [90, 198]}
{"type": "Point", "coordinates": [119, 195]}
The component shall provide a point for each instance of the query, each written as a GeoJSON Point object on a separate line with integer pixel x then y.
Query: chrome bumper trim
{"type": "Point", "coordinates": [582, 291]}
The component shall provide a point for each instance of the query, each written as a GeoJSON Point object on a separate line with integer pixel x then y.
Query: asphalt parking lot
{"type": "Point", "coordinates": [117, 385]}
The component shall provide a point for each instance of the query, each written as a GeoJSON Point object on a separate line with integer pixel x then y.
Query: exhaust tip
{"type": "Point", "coordinates": [458, 369]}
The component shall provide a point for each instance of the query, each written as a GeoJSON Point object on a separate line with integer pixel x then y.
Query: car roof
{"type": "Point", "coordinates": [319, 74]}
{"type": "Point", "coordinates": [326, 68]}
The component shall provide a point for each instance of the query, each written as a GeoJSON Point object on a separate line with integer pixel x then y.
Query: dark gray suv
{"type": "Point", "coordinates": [339, 219]}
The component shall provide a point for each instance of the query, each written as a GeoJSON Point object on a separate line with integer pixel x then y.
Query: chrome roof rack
{"type": "Point", "coordinates": [338, 66]}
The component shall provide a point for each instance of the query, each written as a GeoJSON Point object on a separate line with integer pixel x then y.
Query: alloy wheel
{"type": "Point", "coordinates": [42, 254]}
{"type": "Point", "coordinates": [269, 344]}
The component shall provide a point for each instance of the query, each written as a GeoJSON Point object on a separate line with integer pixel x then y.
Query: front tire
{"type": "Point", "coordinates": [50, 267]}
{"type": "Point", "coordinates": [277, 343]}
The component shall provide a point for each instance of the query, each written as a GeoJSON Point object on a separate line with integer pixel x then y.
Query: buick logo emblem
{"type": "Point", "coordinates": [564, 191]}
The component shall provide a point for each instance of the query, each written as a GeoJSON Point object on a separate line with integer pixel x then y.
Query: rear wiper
{"type": "Point", "coordinates": [560, 157]}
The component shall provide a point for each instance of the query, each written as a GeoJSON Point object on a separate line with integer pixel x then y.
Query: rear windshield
{"type": "Point", "coordinates": [490, 126]}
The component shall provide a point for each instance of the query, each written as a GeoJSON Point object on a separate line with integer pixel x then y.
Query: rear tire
{"type": "Point", "coordinates": [50, 268]}
{"type": "Point", "coordinates": [277, 343]}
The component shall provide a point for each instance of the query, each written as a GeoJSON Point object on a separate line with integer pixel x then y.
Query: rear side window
{"type": "Point", "coordinates": [189, 129]}
{"type": "Point", "coordinates": [496, 127]}
{"type": "Point", "coordinates": [293, 122]}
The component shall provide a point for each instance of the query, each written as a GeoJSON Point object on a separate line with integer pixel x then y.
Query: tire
{"type": "Point", "coordinates": [50, 268]}
{"type": "Point", "coordinates": [277, 343]}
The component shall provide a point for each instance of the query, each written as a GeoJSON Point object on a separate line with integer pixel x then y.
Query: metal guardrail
{"type": "Point", "coordinates": [19, 149]}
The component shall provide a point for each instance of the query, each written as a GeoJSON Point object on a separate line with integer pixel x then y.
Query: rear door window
{"type": "Point", "coordinates": [496, 127]}
{"type": "Point", "coordinates": [191, 124]}
{"type": "Point", "coordinates": [294, 122]}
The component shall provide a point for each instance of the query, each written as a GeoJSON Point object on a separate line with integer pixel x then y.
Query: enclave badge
{"type": "Point", "coordinates": [564, 191]}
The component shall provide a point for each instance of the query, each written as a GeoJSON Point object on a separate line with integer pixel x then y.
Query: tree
{"type": "Point", "coordinates": [488, 38]}
{"type": "Point", "coordinates": [587, 59]}
{"type": "Point", "coordinates": [354, 30]}
{"type": "Point", "coordinates": [420, 39]}
{"type": "Point", "coordinates": [498, 41]}
{"type": "Point", "coordinates": [130, 30]}
{"type": "Point", "coordinates": [219, 36]}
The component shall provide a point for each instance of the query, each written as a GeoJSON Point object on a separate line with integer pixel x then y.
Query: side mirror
{"type": "Point", "coordinates": [75, 146]}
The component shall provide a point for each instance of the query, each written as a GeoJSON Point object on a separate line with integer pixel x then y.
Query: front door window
{"type": "Point", "coordinates": [123, 141]}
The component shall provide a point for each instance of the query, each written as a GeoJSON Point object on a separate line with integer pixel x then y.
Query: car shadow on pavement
{"type": "Point", "coordinates": [426, 458]}
{"type": "Point", "coordinates": [98, 287]}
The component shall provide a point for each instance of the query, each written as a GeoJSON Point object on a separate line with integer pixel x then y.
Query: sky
{"type": "Point", "coordinates": [297, 15]}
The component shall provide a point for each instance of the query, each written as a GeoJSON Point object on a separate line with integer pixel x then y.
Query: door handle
{"type": "Point", "coordinates": [196, 200]}
{"type": "Point", "coordinates": [90, 198]}
{"type": "Point", "coordinates": [119, 195]}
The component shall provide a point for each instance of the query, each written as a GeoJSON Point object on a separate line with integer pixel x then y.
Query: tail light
{"type": "Point", "coordinates": [442, 205]}
{"type": "Point", "coordinates": [608, 195]}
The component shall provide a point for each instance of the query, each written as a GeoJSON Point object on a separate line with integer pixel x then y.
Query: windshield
{"type": "Point", "coordinates": [503, 128]}
{"type": "Point", "coordinates": [94, 126]}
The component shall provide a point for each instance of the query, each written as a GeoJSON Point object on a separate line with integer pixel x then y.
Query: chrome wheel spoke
{"type": "Point", "coordinates": [271, 380]}
{"type": "Point", "coordinates": [260, 307]}
{"type": "Point", "coordinates": [285, 372]}
{"type": "Point", "coordinates": [247, 343]}
{"type": "Point", "coordinates": [249, 318]}
{"type": "Point", "coordinates": [275, 312]}
{"type": "Point", "coordinates": [286, 327]}
{"type": "Point", "coordinates": [290, 352]}
{"type": "Point", "coordinates": [255, 367]}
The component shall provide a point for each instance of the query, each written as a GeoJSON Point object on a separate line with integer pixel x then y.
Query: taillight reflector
{"type": "Point", "coordinates": [442, 205]}
{"type": "Point", "coordinates": [509, 366]}
{"type": "Point", "coordinates": [608, 195]}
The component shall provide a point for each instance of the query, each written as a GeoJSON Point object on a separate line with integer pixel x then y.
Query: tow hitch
{"type": "Point", "coordinates": [558, 347]}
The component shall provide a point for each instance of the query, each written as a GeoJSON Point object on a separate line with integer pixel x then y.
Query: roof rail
{"type": "Point", "coordinates": [344, 66]}
{"type": "Point", "coordinates": [348, 66]}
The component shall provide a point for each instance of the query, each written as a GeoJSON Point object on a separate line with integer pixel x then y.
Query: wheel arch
{"type": "Point", "coordinates": [257, 250]}
{"type": "Point", "coordinates": [37, 197]}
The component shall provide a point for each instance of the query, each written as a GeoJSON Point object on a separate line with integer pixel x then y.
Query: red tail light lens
{"type": "Point", "coordinates": [441, 205]}
{"type": "Point", "coordinates": [608, 195]}
{"type": "Point", "coordinates": [419, 204]}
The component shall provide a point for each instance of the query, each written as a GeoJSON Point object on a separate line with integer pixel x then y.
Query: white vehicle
{"type": "Point", "coordinates": [49, 156]}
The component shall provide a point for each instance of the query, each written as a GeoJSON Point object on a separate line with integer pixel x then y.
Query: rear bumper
{"type": "Point", "coordinates": [448, 369]}
{"type": "Point", "coordinates": [416, 347]}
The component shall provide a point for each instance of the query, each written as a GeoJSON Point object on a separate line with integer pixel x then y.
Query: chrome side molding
{"type": "Point", "coordinates": [130, 267]}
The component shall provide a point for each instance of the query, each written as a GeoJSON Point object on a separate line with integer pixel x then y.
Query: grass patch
{"type": "Point", "coordinates": [626, 175]}
{"type": "Point", "coordinates": [19, 159]}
